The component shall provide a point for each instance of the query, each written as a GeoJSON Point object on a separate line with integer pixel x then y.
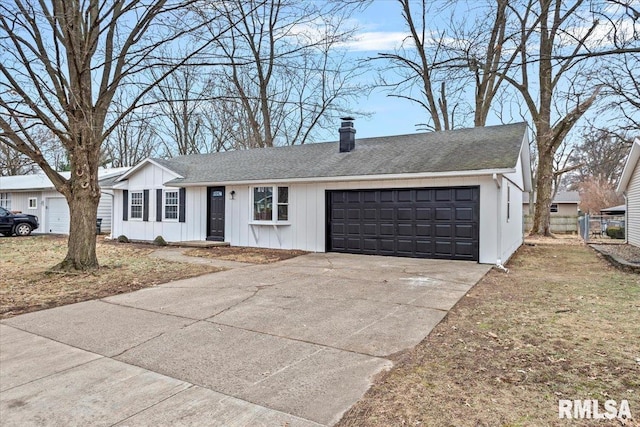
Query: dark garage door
{"type": "Point", "coordinates": [412, 222]}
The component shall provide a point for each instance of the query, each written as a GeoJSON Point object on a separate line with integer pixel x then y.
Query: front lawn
{"type": "Point", "coordinates": [562, 324]}
{"type": "Point", "coordinates": [25, 284]}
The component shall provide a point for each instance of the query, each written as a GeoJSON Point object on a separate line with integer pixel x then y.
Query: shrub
{"type": "Point", "coordinates": [615, 232]}
{"type": "Point", "coordinates": [159, 241]}
{"type": "Point", "coordinates": [123, 239]}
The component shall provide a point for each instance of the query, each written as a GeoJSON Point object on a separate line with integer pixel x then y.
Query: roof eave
{"type": "Point", "coordinates": [481, 172]}
{"type": "Point", "coordinates": [525, 159]}
{"type": "Point", "coordinates": [629, 167]}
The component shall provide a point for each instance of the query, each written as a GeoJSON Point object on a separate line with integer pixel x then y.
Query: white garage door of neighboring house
{"type": "Point", "coordinates": [57, 216]}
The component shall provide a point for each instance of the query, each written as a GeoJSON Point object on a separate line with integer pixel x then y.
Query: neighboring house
{"type": "Point", "coordinates": [450, 195]}
{"type": "Point", "coordinates": [36, 195]}
{"type": "Point", "coordinates": [629, 186]}
{"type": "Point", "coordinates": [565, 203]}
{"type": "Point", "coordinates": [564, 212]}
{"type": "Point", "coordinates": [614, 210]}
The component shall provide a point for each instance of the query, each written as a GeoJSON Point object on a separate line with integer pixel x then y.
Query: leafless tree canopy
{"type": "Point", "coordinates": [555, 58]}
{"type": "Point", "coordinates": [61, 65]}
{"type": "Point", "coordinates": [288, 74]}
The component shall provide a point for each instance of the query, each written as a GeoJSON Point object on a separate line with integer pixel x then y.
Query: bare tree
{"type": "Point", "coordinates": [619, 78]}
{"type": "Point", "coordinates": [286, 71]}
{"type": "Point", "coordinates": [61, 64]}
{"type": "Point", "coordinates": [133, 140]}
{"type": "Point", "coordinates": [225, 122]}
{"type": "Point", "coordinates": [556, 63]}
{"type": "Point", "coordinates": [596, 195]}
{"type": "Point", "coordinates": [438, 65]}
{"type": "Point", "coordinates": [13, 162]}
{"type": "Point", "coordinates": [181, 99]}
{"type": "Point", "coordinates": [419, 69]}
{"type": "Point", "coordinates": [601, 156]}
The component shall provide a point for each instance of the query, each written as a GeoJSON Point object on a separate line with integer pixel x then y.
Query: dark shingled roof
{"type": "Point", "coordinates": [492, 147]}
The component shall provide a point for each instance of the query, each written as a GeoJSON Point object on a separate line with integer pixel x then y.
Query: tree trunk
{"type": "Point", "coordinates": [83, 195]}
{"type": "Point", "coordinates": [544, 181]}
{"type": "Point", "coordinates": [81, 253]}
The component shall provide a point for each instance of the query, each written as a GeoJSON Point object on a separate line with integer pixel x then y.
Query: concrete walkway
{"type": "Point", "coordinates": [294, 343]}
{"type": "Point", "coordinates": [177, 255]}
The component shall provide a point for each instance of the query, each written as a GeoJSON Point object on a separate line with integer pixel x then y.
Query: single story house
{"type": "Point", "coordinates": [629, 187]}
{"type": "Point", "coordinates": [450, 195]}
{"type": "Point", "coordinates": [36, 195]}
{"type": "Point", "coordinates": [565, 203]}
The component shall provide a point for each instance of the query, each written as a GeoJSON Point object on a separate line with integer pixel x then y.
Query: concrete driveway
{"type": "Point", "coordinates": [294, 343]}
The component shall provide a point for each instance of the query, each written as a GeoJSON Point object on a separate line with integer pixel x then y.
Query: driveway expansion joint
{"type": "Point", "coordinates": [325, 346]}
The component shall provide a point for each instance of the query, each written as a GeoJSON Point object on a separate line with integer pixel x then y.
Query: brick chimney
{"type": "Point", "coordinates": [347, 135]}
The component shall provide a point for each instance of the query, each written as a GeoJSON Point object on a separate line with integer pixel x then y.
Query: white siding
{"type": "Point", "coordinates": [20, 202]}
{"type": "Point", "coordinates": [633, 207]}
{"type": "Point", "coordinates": [511, 225]}
{"type": "Point", "coordinates": [151, 178]}
{"type": "Point", "coordinates": [105, 210]}
{"type": "Point", "coordinates": [305, 229]}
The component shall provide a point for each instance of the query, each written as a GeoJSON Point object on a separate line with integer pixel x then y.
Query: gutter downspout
{"type": "Point", "coordinates": [497, 179]}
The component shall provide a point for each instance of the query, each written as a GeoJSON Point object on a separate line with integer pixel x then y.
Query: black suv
{"type": "Point", "coordinates": [19, 224]}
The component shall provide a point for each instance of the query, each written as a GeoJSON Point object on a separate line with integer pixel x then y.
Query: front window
{"type": "Point", "coordinates": [264, 200]}
{"type": "Point", "coordinates": [283, 203]}
{"type": "Point", "coordinates": [5, 201]}
{"type": "Point", "coordinates": [170, 205]}
{"type": "Point", "coordinates": [554, 207]}
{"type": "Point", "coordinates": [136, 205]}
{"type": "Point", "coordinates": [263, 203]}
{"type": "Point", "coordinates": [33, 203]}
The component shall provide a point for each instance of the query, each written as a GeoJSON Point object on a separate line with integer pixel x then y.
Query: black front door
{"type": "Point", "coordinates": [215, 218]}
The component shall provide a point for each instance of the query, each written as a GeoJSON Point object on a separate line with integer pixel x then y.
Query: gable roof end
{"type": "Point", "coordinates": [157, 162]}
{"type": "Point", "coordinates": [629, 166]}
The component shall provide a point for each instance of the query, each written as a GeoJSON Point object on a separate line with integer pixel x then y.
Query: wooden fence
{"type": "Point", "coordinates": [559, 224]}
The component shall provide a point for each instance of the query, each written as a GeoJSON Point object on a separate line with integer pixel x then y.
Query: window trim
{"type": "Point", "coordinates": [165, 205]}
{"type": "Point", "coordinates": [35, 205]}
{"type": "Point", "coordinates": [274, 203]}
{"type": "Point", "coordinates": [278, 203]}
{"type": "Point", "coordinates": [131, 205]}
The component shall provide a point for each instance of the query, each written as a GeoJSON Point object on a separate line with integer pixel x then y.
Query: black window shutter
{"type": "Point", "coordinates": [159, 205]}
{"type": "Point", "coordinates": [125, 205]}
{"type": "Point", "coordinates": [145, 205]}
{"type": "Point", "coordinates": [182, 201]}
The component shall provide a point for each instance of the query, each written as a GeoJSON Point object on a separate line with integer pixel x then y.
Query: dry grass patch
{"type": "Point", "coordinates": [245, 254]}
{"type": "Point", "coordinates": [26, 285]}
{"type": "Point", "coordinates": [562, 324]}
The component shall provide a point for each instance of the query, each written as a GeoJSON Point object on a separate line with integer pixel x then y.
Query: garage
{"type": "Point", "coordinates": [57, 216]}
{"type": "Point", "coordinates": [441, 222]}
